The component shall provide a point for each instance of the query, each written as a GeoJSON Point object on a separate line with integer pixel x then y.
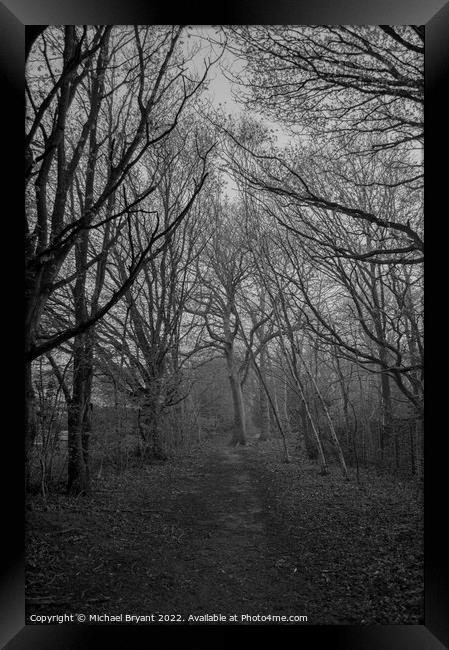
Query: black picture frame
{"type": "Point", "coordinates": [20, 18]}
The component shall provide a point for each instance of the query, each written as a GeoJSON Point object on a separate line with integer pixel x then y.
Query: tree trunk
{"type": "Point", "coordinates": [354, 447]}
{"type": "Point", "coordinates": [412, 452]}
{"type": "Point", "coordinates": [76, 478]}
{"type": "Point", "coordinates": [239, 430]}
{"type": "Point", "coordinates": [419, 440]}
{"type": "Point", "coordinates": [86, 427]}
{"type": "Point", "coordinates": [86, 430]}
{"type": "Point", "coordinates": [285, 408]}
{"type": "Point", "coordinates": [316, 434]}
{"type": "Point", "coordinates": [78, 422]}
{"type": "Point", "coordinates": [30, 420]}
{"type": "Point", "coordinates": [150, 419]}
{"type": "Point", "coordinates": [273, 407]}
{"type": "Point", "coordinates": [344, 389]}
{"type": "Point", "coordinates": [293, 367]}
{"type": "Point", "coordinates": [263, 401]}
{"type": "Point", "coordinates": [303, 429]}
{"type": "Point", "coordinates": [387, 411]}
{"type": "Point", "coordinates": [380, 328]}
{"type": "Point", "coordinates": [332, 431]}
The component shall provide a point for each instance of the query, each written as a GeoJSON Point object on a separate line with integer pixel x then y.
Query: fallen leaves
{"type": "Point", "coordinates": [174, 535]}
{"type": "Point", "coordinates": [360, 551]}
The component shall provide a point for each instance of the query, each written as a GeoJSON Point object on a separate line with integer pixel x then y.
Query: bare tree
{"type": "Point", "coordinates": [99, 99]}
{"type": "Point", "coordinates": [337, 79]}
{"type": "Point", "coordinates": [224, 267]}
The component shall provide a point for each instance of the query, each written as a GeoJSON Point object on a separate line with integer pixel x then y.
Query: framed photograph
{"type": "Point", "coordinates": [224, 435]}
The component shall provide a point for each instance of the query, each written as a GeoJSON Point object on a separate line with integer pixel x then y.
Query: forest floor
{"type": "Point", "coordinates": [230, 531]}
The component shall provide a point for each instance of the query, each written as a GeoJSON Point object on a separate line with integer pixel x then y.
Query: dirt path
{"type": "Point", "coordinates": [234, 563]}
{"type": "Point", "coordinates": [229, 531]}
{"type": "Point", "coordinates": [198, 541]}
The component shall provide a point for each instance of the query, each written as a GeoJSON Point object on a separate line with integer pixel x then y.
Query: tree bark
{"type": "Point", "coordinates": [239, 429]}
{"type": "Point", "coordinates": [293, 367]}
{"type": "Point", "coordinates": [263, 401]}
{"type": "Point", "coordinates": [78, 419]}
{"type": "Point", "coordinates": [419, 440]}
{"type": "Point", "coordinates": [150, 415]}
{"type": "Point", "coordinates": [332, 431]}
{"type": "Point", "coordinates": [30, 420]}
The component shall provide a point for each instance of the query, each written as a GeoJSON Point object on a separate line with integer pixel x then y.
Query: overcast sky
{"type": "Point", "coordinates": [222, 91]}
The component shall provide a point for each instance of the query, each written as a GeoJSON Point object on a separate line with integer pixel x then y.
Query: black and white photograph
{"type": "Point", "coordinates": [224, 327]}
{"type": "Point", "coordinates": [224, 324]}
